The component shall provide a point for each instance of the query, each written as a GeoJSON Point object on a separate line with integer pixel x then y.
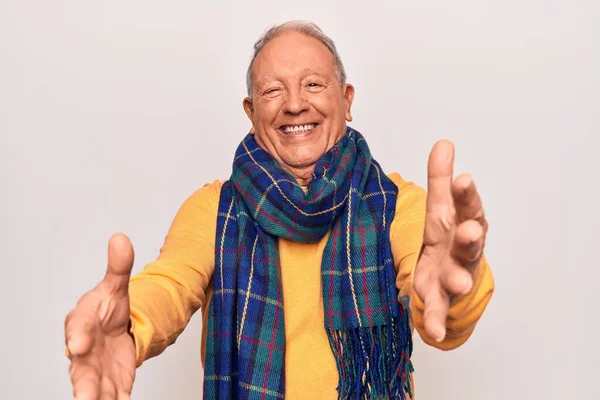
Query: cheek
{"type": "Point", "coordinates": [265, 114]}
{"type": "Point", "coordinates": [267, 110]}
{"type": "Point", "coordinates": [329, 106]}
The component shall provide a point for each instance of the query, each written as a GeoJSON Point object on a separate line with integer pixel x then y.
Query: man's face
{"type": "Point", "coordinates": [298, 110]}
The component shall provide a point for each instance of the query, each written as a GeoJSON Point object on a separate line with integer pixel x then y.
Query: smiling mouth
{"type": "Point", "coordinates": [298, 129]}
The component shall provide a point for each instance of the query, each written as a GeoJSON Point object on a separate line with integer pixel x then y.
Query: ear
{"type": "Point", "coordinates": [348, 93]}
{"type": "Point", "coordinates": [249, 109]}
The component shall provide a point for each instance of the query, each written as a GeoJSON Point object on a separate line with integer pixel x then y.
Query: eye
{"type": "Point", "coordinates": [314, 87]}
{"type": "Point", "coordinates": [271, 91]}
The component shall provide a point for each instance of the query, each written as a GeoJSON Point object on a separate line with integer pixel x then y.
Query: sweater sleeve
{"type": "Point", "coordinates": [406, 237]}
{"type": "Point", "coordinates": [164, 296]}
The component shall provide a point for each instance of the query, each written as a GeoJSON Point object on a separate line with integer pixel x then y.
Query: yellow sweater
{"type": "Point", "coordinates": [169, 290]}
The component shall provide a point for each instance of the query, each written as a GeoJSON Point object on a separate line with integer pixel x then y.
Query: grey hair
{"type": "Point", "coordinates": [307, 28]}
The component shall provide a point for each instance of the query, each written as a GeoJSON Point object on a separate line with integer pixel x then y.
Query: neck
{"type": "Point", "coordinates": [302, 175]}
{"type": "Point", "coordinates": [303, 182]}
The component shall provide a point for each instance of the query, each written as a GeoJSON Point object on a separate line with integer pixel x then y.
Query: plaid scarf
{"type": "Point", "coordinates": [367, 327]}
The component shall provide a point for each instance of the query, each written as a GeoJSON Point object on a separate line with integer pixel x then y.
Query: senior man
{"type": "Point", "coordinates": [312, 266]}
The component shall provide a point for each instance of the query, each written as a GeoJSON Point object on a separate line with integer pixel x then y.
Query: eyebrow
{"type": "Point", "coordinates": [306, 71]}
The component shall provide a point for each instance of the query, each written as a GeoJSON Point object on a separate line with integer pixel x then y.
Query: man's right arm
{"type": "Point", "coordinates": [164, 296]}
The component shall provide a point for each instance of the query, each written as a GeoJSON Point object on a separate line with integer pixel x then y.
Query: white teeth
{"type": "Point", "coordinates": [298, 128]}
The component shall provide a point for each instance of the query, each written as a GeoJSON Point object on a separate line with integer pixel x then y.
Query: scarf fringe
{"type": "Point", "coordinates": [363, 355]}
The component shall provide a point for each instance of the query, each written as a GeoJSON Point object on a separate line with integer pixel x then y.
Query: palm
{"type": "Point", "coordinates": [453, 240]}
{"type": "Point", "coordinates": [117, 359]}
{"type": "Point", "coordinates": [101, 350]}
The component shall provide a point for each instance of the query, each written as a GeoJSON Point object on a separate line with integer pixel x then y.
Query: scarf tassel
{"type": "Point", "coordinates": [364, 356]}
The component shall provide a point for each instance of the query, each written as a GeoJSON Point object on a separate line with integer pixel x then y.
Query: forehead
{"type": "Point", "coordinates": [290, 54]}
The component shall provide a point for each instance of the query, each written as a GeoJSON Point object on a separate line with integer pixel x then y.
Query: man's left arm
{"type": "Point", "coordinates": [406, 237]}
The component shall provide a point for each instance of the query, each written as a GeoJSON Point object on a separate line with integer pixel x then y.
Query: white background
{"type": "Point", "coordinates": [113, 112]}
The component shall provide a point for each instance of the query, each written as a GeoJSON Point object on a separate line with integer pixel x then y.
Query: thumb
{"type": "Point", "coordinates": [120, 262]}
{"type": "Point", "coordinates": [439, 174]}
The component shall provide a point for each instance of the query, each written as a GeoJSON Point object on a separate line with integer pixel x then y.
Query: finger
{"type": "Point", "coordinates": [123, 395]}
{"type": "Point", "coordinates": [80, 327]}
{"type": "Point", "coordinates": [467, 247]}
{"type": "Point", "coordinates": [439, 173]}
{"type": "Point", "coordinates": [120, 262]}
{"type": "Point", "coordinates": [86, 381]}
{"type": "Point", "coordinates": [466, 199]}
{"type": "Point", "coordinates": [437, 304]}
{"type": "Point", "coordinates": [108, 389]}
{"type": "Point", "coordinates": [456, 280]}
{"type": "Point", "coordinates": [439, 204]}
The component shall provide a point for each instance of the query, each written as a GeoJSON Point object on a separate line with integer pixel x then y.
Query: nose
{"type": "Point", "coordinates": [295, 101]}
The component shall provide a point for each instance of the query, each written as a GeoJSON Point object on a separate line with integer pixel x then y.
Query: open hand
{"type": "Point", "coordinates": [454, 238]}
{"type": "Point", "coordinates": [101, 350]}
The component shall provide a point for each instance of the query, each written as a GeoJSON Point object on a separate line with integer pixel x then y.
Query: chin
{"type": "Point", "coordinates": [305, 163]}
{"type": "Point", "coordinates": [308, 157]}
